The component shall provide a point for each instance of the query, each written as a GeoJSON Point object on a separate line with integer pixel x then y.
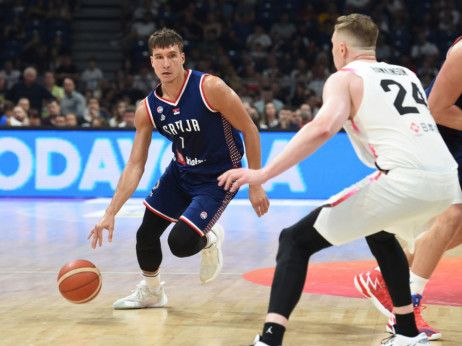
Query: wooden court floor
{"type": "Point", "coordinates": [38, 236]}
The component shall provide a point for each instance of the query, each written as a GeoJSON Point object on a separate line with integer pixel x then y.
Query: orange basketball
{"type": "Point", "coordinates": [79, 281]}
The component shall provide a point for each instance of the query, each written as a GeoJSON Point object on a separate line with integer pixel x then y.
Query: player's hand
{"type": "Point", "coordinates": [235, 178]}
{"type": "Point", "coordinates": [106, 222]}
{"type": "Point", "coordinates": [259, 200]}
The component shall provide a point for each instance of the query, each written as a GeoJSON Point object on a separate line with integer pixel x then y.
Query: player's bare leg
{"type": "Point", "coordinates": [431, 245]}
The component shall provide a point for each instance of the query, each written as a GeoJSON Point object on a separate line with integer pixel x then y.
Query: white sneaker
{"type": "Point", "coordinates": [143, 297]}
{"type": "Point", "coordinates": [257, 341]}
{"type": "Point", "coordinates": [401, 340]}
{"type": "Point", "coordinates": [212, 258]}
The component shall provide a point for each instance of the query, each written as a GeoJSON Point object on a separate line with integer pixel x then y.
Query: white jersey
{"type": "Point", "coordinates": [393, 126]}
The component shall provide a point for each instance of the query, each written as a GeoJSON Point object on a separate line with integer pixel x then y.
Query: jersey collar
{"type": "Point", "coordinates": [183, 87]}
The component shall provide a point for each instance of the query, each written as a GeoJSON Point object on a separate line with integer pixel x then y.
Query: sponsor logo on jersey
{"type": "Point", "coordinates": [203, 215]}
{"type": "Point", "coordinates": [162, 117]}
{"type": "Point", "coordinates": [160, 109]}
{"type": "Point", "coordinates": [193, 162]}
{"type": "Point", "coordinates": [176, 111]}
{"type": "Point", "coordinates": [415, 127]}
{"type": "Point", "coordinates": [180, 158]}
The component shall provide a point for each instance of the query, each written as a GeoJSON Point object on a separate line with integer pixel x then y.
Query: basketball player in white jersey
{"type": "Point", "coordinates": [384, 111]}
{"type": "Point", "coordinates": [445, 102]}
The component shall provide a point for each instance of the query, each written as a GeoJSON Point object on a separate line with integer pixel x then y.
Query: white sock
{"type": "Point", "coordinates": [211, 239]}
{"type": "Point", "coordinates": [417, 283]}
{"type": "Point", "coordinates": [153, 281]}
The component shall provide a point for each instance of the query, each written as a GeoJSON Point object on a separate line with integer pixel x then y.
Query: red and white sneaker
{"type": "Point", "coordinates": [422, 326]}
{"type": "Point", "coordinates": [372, 286]}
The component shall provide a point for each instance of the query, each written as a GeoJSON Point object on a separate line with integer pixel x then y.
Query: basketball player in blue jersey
{"type": "Point", "coordinates": [445, 102]}
{"type": "Point", "coordinates": [383, 109]}
{"type": "Point", "coordinates": [202, 117]}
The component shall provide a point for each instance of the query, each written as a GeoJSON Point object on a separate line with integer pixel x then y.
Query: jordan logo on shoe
{"type": "Point", "coordinates": [374, 284]}
{"type": "Point", "coordinates": [269, 330]}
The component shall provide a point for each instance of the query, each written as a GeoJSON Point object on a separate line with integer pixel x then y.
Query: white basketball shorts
{"type": "Point", "coordinates": [400, 202]}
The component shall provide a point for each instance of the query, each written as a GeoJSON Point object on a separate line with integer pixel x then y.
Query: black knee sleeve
{"type": "Point", "coordinates": [148, 249]}
{"type": "Point", "coordinates": [296, 244]}
{"type": "Point", "coordinates": [393, 265]}
{"type": "Point", "coordinates": [184, 241]}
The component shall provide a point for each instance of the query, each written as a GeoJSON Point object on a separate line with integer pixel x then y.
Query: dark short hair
{"type": "Point", "coordinates": [33, 113]}
{"type": "Point", "coordinates": [165, 38]}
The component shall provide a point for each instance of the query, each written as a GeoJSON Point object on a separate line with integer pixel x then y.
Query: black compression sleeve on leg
{"type": "Point", "coordinates": [148, 249]}
{"type": "Point", "coordinates": [393, 265]}
{"type": "Point", "coordinates": [296, 244]}
{"type": "Point", "coordinates": [184, 241]}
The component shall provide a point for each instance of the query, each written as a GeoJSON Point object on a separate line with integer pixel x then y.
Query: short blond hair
{"type": "Point", "coordinates": [360, 28]}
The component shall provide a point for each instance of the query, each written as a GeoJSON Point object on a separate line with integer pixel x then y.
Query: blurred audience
{"type": "Point", "coordinates": [276, 55]}
{"type": "Point", "coordinates": [29, 88]}
{"type": "Point", "coordinates": [72, 101]}
{"type": "Point", "coordinates": [91, 77]}
{"type": "Point", "coordinates": [269, 117]}
{"type": "Point", "coordinates": [7, 119]}
{"type": "Point", "coordinates": [49, 82]}
{"type": "Point", "coordinates": [71, 120]}
{"type": "Point", "coordinates": [19, 117]}
{"type": "Point", "coordinates": [128, 117]}
{"type": "Point", "coordinates": [35, 118]}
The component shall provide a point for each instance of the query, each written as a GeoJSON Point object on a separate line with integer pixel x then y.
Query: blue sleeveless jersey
{"type": "Point", "coordinates": [203, 141]}
{"type": "Point", "coordinates": [452, 137]}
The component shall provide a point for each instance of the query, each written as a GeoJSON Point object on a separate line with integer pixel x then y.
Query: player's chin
{"type": "Point", "coordinates": [165, 77]}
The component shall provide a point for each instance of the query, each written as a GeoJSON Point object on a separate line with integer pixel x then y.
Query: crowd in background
{"type": "Point", "coordinates": [274, 54]}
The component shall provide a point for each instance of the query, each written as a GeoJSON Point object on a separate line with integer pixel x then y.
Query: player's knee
{"type": "Point", "coordinates": [303, 236]}
{"type": "Point", "coordinates": [285, 237]}
{"type": "Point", "coordinates": [150, 230]}
{"type": "Point", "coordinates": [183, 240]}
{"type": "Point", "coordinates": [143, 238]}
{"type": "Point", "coordinates": [286, 242]}
{"type": "Point", "coordinates": [381, 242]}
{"type": "Point", "coordinates": [449, 222]}
{"type": "Point", "coordinates": [178, 247]}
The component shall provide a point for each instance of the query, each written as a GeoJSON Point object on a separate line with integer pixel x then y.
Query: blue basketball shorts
{"type": "Point", "coordinates": [196, 199]}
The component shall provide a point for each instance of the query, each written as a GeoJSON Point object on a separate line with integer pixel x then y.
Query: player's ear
{"type": "Point", "coordinates": [343, 48]}
{"type": "Point", "coordinates": [183, 57]}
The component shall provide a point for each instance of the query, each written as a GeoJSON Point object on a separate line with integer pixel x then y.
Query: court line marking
{"type": "Point", "coordinates": [238, 201]}
{"type": "Point", "coordinates": [134, 207]}
{"type": "Point", "coordinates": [124, 273]}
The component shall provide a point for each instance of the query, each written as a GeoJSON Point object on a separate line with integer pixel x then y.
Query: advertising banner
{"type": "Point", "coordinates": [66, 163]}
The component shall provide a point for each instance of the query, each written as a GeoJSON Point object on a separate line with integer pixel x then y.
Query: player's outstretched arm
{"type": "Point", "coordinates": [328, 121]}
{"type": "Point", "coordinates": [129, 178]}
{"type": "Point", "coordinates": [447, 89]}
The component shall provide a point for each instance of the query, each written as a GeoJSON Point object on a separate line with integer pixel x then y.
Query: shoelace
{"type": "Point", "coordinates": [418, 315]}
{"type": "Point", "coordinates": [387, 339]}
{"type": "Point", "coordinates": [141, 292]}
{"type": "Point", "coordinates": [206, 251]}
